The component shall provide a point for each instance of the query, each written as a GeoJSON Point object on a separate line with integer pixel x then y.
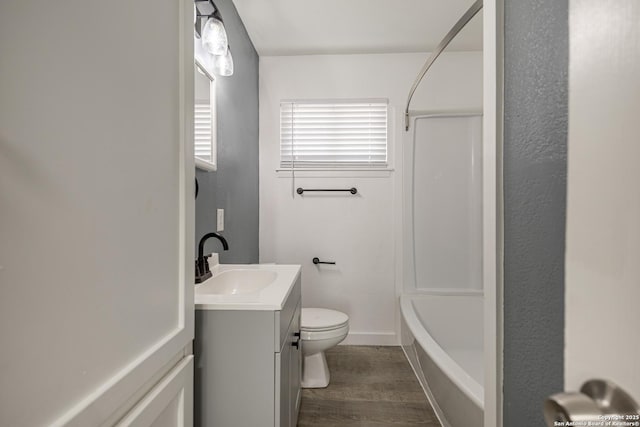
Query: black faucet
{"type": "Point", "coordinates": [202, 266]}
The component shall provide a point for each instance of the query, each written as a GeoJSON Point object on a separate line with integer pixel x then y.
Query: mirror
{"type": "Point", "coordinates": [205, 119]}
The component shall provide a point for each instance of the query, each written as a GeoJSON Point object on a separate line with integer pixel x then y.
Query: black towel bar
{"type": "Point", "coordinates": [352, 190]}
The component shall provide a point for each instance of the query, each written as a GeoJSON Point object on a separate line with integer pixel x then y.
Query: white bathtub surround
{"type": "Point", "coordinates": [442, 301]}
{"type": "Point", "coordinates": [361, 233]}
{"type": "Point", "coordinates": [443, 203]}
{"type": "Point", "coordinates": [443, 340]}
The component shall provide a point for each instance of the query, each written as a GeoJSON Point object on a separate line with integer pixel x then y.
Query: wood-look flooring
{"type": "Point", "coordinates": [370, 386]}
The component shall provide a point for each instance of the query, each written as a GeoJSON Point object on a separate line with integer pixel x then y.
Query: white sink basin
{"type": "Point", "coordinates": [238, 282]}
{"type": "Point", "coordinates": [246, 287]}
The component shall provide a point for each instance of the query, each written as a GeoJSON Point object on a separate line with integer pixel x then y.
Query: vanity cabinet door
{"type": "Point", "coordinates": [295, 369]}
{"type": "Point", "coordinates": [290, 365]}
{"type": "Point", "coordinates": [284, 381]}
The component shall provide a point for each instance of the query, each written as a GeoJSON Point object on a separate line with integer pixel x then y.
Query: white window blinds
{"type": "Point", "coordinates": [333, 134]}
{"type": "Point", "coordinates": [203, 133]}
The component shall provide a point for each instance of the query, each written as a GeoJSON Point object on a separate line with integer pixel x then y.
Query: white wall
{"type": "Point", "coordinates": [603, 199]}
{"type": "Point", "coordinates": [360, 233]}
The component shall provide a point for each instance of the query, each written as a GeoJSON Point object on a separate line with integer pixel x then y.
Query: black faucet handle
{"type": "Point", "coordinates": [206, 263]}
{"type": "Point", "coordinates": [202, 272]}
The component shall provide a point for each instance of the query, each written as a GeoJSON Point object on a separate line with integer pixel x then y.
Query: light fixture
{"type": "Point", "coordinates": [214, 42]}
{"type": "Point", "coordinates": [214, 37]}
{"type": "Point", "coordinates": [223, 65]}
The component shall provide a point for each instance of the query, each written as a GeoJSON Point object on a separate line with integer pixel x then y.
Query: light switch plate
{"type": "Point", "coordinates": [220, 220]}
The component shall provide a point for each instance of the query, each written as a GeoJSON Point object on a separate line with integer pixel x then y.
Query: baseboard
{"type": "Point", "coordinates": [371, 338]}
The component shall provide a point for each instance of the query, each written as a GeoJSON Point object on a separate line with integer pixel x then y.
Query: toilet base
{"type": "Point", "coordinates": [315, 371]}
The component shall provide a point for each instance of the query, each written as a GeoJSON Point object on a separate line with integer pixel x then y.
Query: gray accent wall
{"type": "Point", "coordinates": [234, 186]}
{"type": "Point", "coordinates": [535, 171]}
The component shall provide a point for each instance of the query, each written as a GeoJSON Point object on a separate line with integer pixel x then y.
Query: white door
{"type": "Point", "coordinates": [603, 213]}
{"type": "Point", "coordinates": [96, 212]}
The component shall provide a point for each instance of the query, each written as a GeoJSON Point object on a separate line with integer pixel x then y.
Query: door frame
{"type": "Point", "coordinates": [493, 217]}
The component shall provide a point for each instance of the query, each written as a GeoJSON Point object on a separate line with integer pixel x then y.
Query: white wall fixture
{"type": "Point", "coordinates": [220, 220]}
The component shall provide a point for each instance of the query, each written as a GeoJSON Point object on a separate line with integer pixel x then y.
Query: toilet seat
{"type": "Point", "coordinates": [322, 320]}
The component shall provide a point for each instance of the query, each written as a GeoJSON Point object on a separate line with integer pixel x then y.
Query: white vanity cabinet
{"type": "Point", "coordinates": [248, 364]}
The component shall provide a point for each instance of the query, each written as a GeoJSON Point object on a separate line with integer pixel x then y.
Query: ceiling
{"type": "Point", "coordinates": [306, 27]}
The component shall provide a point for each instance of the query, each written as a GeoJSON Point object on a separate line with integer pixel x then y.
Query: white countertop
{"type": "Point", "coordinates": [270, 298]}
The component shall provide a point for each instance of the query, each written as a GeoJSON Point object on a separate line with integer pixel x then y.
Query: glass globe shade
{"type": "Point", "coordinates": [214, 37]}
{"type": "Point", "coordinates": [223, 65]}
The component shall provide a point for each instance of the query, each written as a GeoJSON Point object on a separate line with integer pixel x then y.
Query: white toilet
{"type": "Point", "coordinates": [320, 329]}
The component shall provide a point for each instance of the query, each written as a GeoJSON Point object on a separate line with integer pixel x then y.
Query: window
{"type": "Point", "coordinates": [342, 134]}
{"type": "Point", "coordinates": [205, 119]}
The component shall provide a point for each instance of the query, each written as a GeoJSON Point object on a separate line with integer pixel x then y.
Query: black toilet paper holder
{"type": "Point", "coordinates": [316, 260]}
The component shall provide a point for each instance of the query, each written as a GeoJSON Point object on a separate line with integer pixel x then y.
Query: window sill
{"type": "Point", "coordinates": [335, 173]}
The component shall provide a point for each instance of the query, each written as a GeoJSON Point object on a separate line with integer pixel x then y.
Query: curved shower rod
{"type": "Point", "coordinates": [464, 20]}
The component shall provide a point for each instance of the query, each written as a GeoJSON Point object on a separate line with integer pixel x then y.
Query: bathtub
{"type": "Point", "coordinates": [442, 337]}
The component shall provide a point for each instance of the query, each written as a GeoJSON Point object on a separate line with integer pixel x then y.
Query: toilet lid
{"type": "Point", "coordinates": [320, 319]}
